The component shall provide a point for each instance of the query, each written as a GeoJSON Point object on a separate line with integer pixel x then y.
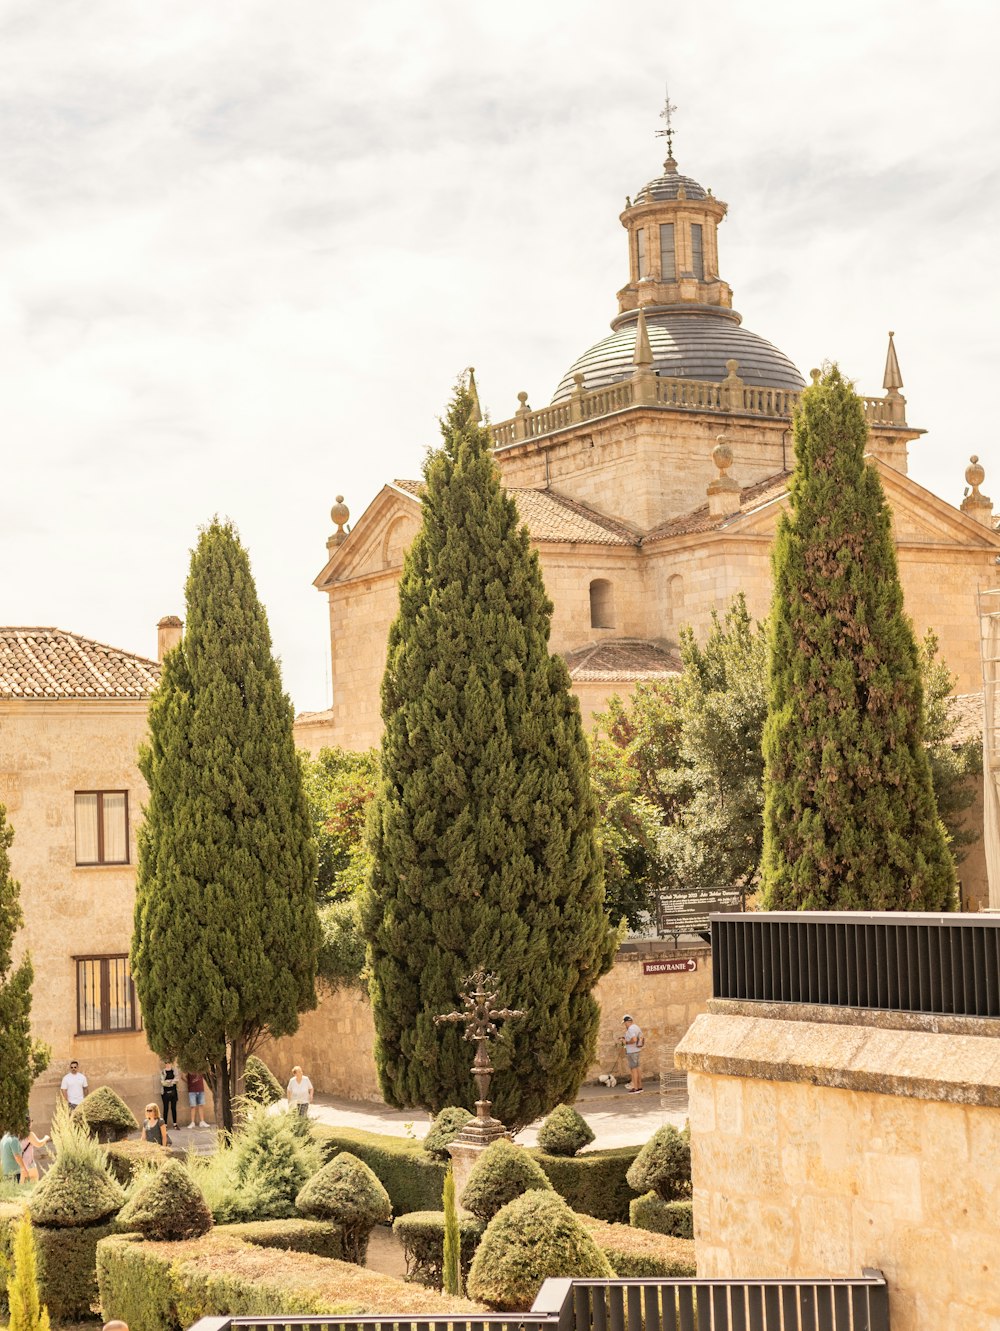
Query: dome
{"type": "Point", "coordinates": [686, 344]}
{"type": "Point", "coordinates": [668, 185]}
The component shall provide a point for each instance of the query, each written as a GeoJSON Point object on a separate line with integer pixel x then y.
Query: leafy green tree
{"type": "Point", "coordinates": [226, 933]}
{"type": "Point", "coordinates": [339, 786]}
{"type": "Point", "coordinates": [22, 1059]}
{"type": "Point", "coordinates": [956, 767]}
{"type": "Point", "coordinates": [850, 818]}
{"type": "Point", "coordinates": [483, 831]}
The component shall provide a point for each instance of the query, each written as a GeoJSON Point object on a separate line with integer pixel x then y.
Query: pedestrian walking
{"type": "Point", "coordinates": [168, 1090]}
{"type": "Point", "coordinates": [633, 1040]}
{"type": "Point", "coordinates": [29, 1144]}
{"type": "Point", "coordinates": [300, 1092]}
{"type": "Point", "coordinates": [73, 1086]}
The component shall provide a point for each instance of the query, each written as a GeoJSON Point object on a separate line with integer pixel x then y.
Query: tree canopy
{"type": "Point", "coordinates": [22, 1058]}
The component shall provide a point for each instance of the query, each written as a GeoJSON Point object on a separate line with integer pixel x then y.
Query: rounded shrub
{"type": "Point", "coordinates": [448, 1123]}
{"type": "Point", "coordinates": [260, 1084]}
{"type": "Point", "coordinates": [564, 1132]}
{"type": "Point", "coordinates": [348, 1193]}
{"type": "Point", "coordinates": [530, 1239]}
{"type": "Point", "coordinates": [75, 1193]}
{"type": "Point", "coordinates": [501, 1173]}
{"type": "Point", "coordinates": [663, 1165]}
{"type": "Point", "coordinates": [167, 1205]}
{"type": "Point", "coordinates": [422, 1235]}
{"type": "Point", "coordinates": [651, 1212]}
{"type": "Point", "coordinates": [106, 1115]}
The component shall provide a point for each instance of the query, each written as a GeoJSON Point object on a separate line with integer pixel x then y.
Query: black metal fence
{"type": "Point", "coordinates": [640, 1305]}
{"type": "Point", "coordinates": [946, 965]}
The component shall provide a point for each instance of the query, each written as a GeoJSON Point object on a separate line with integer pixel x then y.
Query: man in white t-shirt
{"type": "Point", "coordinates": [74, 1085]}
{"type": "Point", "coordinates": [633, 1041]}
{"type": "Point", "coordinates": [300, 1092]}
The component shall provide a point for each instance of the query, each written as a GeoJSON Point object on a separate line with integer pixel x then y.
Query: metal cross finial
{"type": "Point", "coordinates": [668, 133]}
{"type": "Point", "coordinates": [480, 1018]}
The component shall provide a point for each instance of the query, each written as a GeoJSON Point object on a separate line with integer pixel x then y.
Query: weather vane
{"type": "Point", "coordinates": [668, 110]}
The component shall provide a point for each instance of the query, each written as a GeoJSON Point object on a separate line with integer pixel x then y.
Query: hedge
{"type": "Point", "coordinates": [168, 1286]}
{"type": "Point", "coordinates": [126, 1158]}
{"type": "Point", "coordinates": [422, 1235]}
{"type": "Point", "coordinates": [593, 1183]}
{"type": "Point", "coordinates": [66, 1263]}
{"type": "Point", "coordinates": [636, 1252]}
{"type": "Point", "coordinates": [412, 1178]}
{"type": "Point", "coordinates": [10, 1214]}
{"type": "Point", "coordinates": [319, 1237]}
{"type": "Point", "coordinates": [651, 1212]}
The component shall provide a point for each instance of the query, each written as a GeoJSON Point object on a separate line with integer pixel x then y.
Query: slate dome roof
{"type": "Point", "coordinates": [667, 185]}
{"type": "Point", "coordinates": [686, 344]}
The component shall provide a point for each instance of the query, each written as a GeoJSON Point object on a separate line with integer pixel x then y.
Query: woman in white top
{"type": "Point", "coordinates": [300, 1091]}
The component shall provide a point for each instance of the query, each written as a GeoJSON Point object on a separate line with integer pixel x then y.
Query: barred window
{"type": "Point", "coordinates": [101, 826]}
{"type": "Point", "coordinates": [105, 996]}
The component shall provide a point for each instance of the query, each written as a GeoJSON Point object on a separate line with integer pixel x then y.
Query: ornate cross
{"type": "Point", "coordinates": [480, 1017]}
{"type": "Point", "coordinates": [668, 132]}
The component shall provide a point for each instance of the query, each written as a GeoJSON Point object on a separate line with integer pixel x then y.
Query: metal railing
{"type": "Point", "coordinates": [639, 1305]}
{"type": "Point", "coordinates": [942, 965]}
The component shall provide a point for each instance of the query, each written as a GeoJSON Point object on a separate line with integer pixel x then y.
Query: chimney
{"type": "Point", "coordinates": [168, 635]}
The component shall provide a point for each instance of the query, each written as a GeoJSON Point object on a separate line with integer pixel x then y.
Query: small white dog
{"type": "Point", "coordinates": [608, 1079]}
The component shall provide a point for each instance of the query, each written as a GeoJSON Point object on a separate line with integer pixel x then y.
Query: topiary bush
{"type": "Point", "coordinates": [564, 1132]}
{"type": "Point", "coordinates": [348, 1193]}
{"type": "Point", "coordinates": [422, 1235]}
{"type": "Point", "coordinates": [663, 1165]}
{"type": "Point", "coordinates": [448, 1123]}
{"type": "Point", "coordinates": [167, 1205]}
{"type": "Point", "coordinates": [413, 1179]}
{"type": "Point", "coordinates": [74, 1194]}
{"type": "Point", "coordinates": [530, 1239]}
{"type": "Point", "coordinates": [636, 1252]}
{"type": "Point", "coordinates": [67, 1277]}
{"type": "Point", "coordinates": [593, 1183]}
{"type": "Point", "coordinates": [651, 1212]}
{"type": "Point", "coordinates": [126, 1159]}
{"type": "Point", "coordinates": [106, 1115]}
{"type": "Point", "coordinates": [501, 1173]}
{"type": "Point", "coordinates": [260, 1084]}
{"type": "Point", "coordinates": [320, 1237]}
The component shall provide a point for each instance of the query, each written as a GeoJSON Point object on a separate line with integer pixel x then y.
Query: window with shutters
{"type": "Point", "coordinates": [668, 261]}
{"type": "Point", "coordinates": [101, 826]}
{"type": "Point", "coordinates": [697, 251]}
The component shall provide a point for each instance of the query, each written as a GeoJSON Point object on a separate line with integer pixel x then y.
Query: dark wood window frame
{"type": "Point", "coordinates": [100, 827]}
{"type": "Point", "coordinates": [104, 972]}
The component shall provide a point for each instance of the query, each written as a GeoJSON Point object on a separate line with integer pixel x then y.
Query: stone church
{"type": "Point", "coordinates": [651, 485]}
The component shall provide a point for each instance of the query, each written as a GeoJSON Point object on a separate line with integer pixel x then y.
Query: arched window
{"type": "Point", "coordinates": [602, 604]}
{"type": "Point", "coordinates": [675, 591]}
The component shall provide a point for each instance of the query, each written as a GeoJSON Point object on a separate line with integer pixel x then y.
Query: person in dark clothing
{"type": "Point", "coordinates": [153, 1128]}
{"type": "Point", "coordinates": [168, 1090]}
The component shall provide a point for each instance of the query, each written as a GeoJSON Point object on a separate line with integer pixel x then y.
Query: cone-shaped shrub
{"type": "Point", "coordinates": [564, 1132]}
{"type": "Point", "coordinates": [445, 1128]}
{"type": "Point", "coordinates": [168, 1205]}
{"type": "Point", "coordinates": [348, 1193]}
{"type": "Point", "coordinates": [850, 817]}
{"type": "Point", "coordinates": [532, 1238]}
{"type": "Point", "coordinates": [483, 829]}
{"type": "Point", "coordinates": [104, 1113]}
{"type": "Point", "coordinates": [74, 1193]}
{"type": "Point", "coordinates": [501, 1173]}
{"type": "Point", "coordinates": [260, 1084]}
{"type": "Point", "coordinates": [663, 1165]}
{"type": "Point", "coordinates": [26, 1310]}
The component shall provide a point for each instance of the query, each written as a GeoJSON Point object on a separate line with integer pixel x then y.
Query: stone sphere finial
{"type": "Point", "coordinates": [814, 375]}
{"type": "Point", "coordinates": [522, 397]}
{"type": "Point", "coordinates": [340, 513]}
{"type": "Point", "coordinates": [722, 455]}
{"type": "Point", "coordinates": [974, 473]}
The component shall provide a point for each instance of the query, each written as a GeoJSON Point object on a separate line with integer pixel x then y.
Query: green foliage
{"type": "Point", "coordinates": [348, 1193]}
{"type": "Point", "coordinates": [448, 1123]}
{"type": "Point", "coordinates": [341, 962]}
{"type": "Point", "coordinates": [26, 1311]}
{"type": "Point", "coordinates": [225, 886]}
{"type": "Point", "coordinates": [595, 1183]}
{"type": "Point", "coordinates": [22, 1059]}
{"type": "Point", "coordinates": [79, 1189]}
{"type": "Point", "coordinates": [483, 829]}
{"type": "Point", "coordinates": [260, 1084]}
{"type": "Point", "coordinates": [502, 1172]}
{"type": "Point", "coordinates": [534, 1237]}
{"type": "Point", "coordinates": [105, 1114]}
{"type": "Point", "coordinates": [451, 1272]}
{"type": "Point", "coordinates": [128, 1159]}
{"type": "Point", "coordinates": [260, 1175]}
{"type": "Point", "coordinates": [340, 786]}
{"type": "Point", "coordinates": [850, 819]}
{"type": "Point", "coordinates": [664, 1164]}
{"type": "Point", "coordinates": [422, 1235]}
{"type": "Point", "coordinates": [134, 1284]}
{"type": "Point", "coordinates": [315, 1236]}
{"type": "Point", "coordinates": [635, 1253]}
{"type": "Point", "coordinates": [955, 767]}
{"type": "Point", "coordinates": [651, 1212]}
{"type": "Point", "coordinates": [564, 1132]}
{"type": "Point", "coordinates": [412, 1178]}
{"type": "Point", "coordinates": [67, 1262]}
{"type": "Point", "coordinates": [167, 1205]}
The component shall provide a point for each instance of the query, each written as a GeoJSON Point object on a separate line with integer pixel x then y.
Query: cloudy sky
{"type": "Point", "coordinates": [247, 247]}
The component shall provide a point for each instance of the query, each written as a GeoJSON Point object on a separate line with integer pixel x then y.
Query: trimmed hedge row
{"type": "Point", "coordinates": [411, 1177]}
{"type": "Point", "coordinates": [651, 1212]}
{"type": "Point", "coordinates": [593, 1183]}
{"type": "Point", "coordinates": [422, 1235]}
{"type": "Point", "coordinates": [66, 1263]}
{"type": "Point", "coordinates": [319, 1237]}
{"type": "Point", "coordinates": [636, 1252]}
{"type": "Point", "coordinates": [167, 1286]}
{"type": "Point", "coordinates": [126, 1158]}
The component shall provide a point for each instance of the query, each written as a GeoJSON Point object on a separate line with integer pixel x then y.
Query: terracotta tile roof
{"type": "Point", "coordinates": [49, 663]}
{"type": "Point", "coordinates": [623, 659]}
{"type": "Point", "coordinates": [967, 711]}
{"type": "Point", "coordinates": [752, 498]}
{"type": "Point", "coordinates": [552, 517]}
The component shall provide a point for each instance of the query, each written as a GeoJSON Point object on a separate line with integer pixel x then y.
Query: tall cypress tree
{"type": "Point", "coordinates": [22, 1059]}
{"type": "Point", "coordinates": [483, 829]}
{"type": "Point", "coordinates": [226, 932]}
{"type": "Point", "coordinates": [850, 818]}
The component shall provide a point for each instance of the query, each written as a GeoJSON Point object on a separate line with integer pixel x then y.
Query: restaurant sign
{"type": "Point", "coordinates": [670, 965]}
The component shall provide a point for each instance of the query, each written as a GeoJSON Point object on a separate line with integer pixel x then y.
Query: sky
{"type": "Point", "coordinates": [248, 247]}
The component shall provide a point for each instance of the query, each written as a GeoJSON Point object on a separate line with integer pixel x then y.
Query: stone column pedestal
{"type": "Point", "coordinates": [469, 1145]}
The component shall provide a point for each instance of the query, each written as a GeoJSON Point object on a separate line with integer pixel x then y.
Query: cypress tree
{"type": "Point", "coordinates": [483, 827]}
{"type": "Point", "coordinates": [226, 933]}
{"type": "Point", "coordinates": [22, 1059]}
{"type": "Point", "coordinates": [850, 818]}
